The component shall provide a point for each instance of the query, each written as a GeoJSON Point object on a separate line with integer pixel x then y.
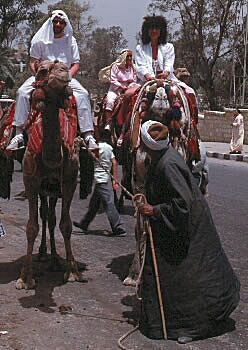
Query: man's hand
{"type": "Point", "coordinates": [115, 185]}
{"type": "Point", "coordinates": [33, 64]}
{"type": "Point", "coordinates": [148, 77]}
{"type": "Point", "coordinates": [163, 75]}
{"type": "Point", "coordinates": [74, 69]}
{"type": "Point", "coordinates": [124, 88]}
{"type": "Point", "coordinates": [145, 209]}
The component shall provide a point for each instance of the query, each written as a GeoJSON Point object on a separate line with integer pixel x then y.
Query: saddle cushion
{"type": "Point", "coordinates": [68, 128]}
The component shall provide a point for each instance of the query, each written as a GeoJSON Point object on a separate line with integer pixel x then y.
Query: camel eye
{"type": "Point", "coordinates": [43, 72]}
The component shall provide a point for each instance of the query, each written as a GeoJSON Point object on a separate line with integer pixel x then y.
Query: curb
{"type": "Point", "coordinates": [227, 156]}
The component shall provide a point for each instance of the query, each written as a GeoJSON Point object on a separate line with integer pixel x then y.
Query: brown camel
{"type": "Point", "coordinates": [51, 174]}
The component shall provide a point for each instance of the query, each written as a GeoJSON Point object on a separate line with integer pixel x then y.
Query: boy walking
{"type": "Point", "coordinates": [101, 193]}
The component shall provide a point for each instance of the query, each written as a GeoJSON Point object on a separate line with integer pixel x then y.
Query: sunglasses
{"type": "Point", "coordinates": [58, 21]}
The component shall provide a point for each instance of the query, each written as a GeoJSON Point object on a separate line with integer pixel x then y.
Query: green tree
{"type": "Point", "coordinates": [103, 47]}
{"type": "Point", "coordinates": [204, 31]}
{"type": "Point", "coordinates": [13, 13]}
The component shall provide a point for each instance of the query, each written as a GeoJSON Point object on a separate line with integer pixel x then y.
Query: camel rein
{"type": "Point", "coordinates": [136, 198]}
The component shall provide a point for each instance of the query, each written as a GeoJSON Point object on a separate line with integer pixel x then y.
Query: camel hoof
{"type": "Point", "coordinates": [128, 281]}
{"type": "Point", "coordinates": [20, 284]}
{"type": "Point", "coordinates": [73, 277]}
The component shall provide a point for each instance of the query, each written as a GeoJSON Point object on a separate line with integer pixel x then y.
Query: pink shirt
{"type": "Point", "coordinates": [121, 77]}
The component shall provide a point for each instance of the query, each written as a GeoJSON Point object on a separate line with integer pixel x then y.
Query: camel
{"type": "Point", "coordinates": [50, 174]}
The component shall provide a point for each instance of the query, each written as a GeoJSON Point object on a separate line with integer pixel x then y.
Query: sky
{"type": "Point", "coordinates": [128, 14]}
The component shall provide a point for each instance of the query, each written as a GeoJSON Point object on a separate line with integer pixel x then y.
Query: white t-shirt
{"type": "Point", "coordinates": [105, 156]}
{"type": "Point", "coordinates": [58, 50]}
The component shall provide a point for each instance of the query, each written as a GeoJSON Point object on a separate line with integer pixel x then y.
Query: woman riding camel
{"type": "Point", "coordinates": [155, 57]}
{"type": "Point", "coordinates": [122, 81]}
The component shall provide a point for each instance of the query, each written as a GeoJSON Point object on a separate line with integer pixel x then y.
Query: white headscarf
{"type": "Point", "coordinates": [104, 73]}
{"type": "Point", "coordinates": [46, 35]}
{"type": "Point", "coordinates": [149, 141]}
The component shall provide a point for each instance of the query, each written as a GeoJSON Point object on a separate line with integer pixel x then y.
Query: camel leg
{"type": "Point", "coordinates": [134, 269]}
{"type": "Point", "coordinates": [55, 259]}
{"type": "Point", "coordinates": [32, 229]}
{"type": "Point", "coordinates": [43, 215]}
{"type": "Point", "coordinates": [121, 200]}
{"type": "Point", "coordinates": [116, 201]}
{"type": "Point", "coordinates": [72, 274]}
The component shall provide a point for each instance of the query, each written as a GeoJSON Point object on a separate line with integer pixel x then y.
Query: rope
{"type": "Point", "coordinates": [125, 336]}
{"type": "Point", "coordinates": [186, 106]}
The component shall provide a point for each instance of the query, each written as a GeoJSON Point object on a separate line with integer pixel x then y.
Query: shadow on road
{"type": "Point", "coordinates": [119, 266]}
{"type": "Point", "coordinates": [45, 279]}
{"type": "Point", "coordinates": [78, 232]}
{"type": "Point", "coordinates": [127, 210]}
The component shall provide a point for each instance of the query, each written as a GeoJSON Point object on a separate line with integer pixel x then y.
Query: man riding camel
{"type": "Point", "coordinates": [54, 41]}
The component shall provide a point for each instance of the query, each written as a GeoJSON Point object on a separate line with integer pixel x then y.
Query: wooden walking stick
{"type": "Point", "coordinates": [149, 229]}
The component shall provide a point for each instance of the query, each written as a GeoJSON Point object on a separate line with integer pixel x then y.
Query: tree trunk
{"type": "Point", "coordinates": [207, 83]}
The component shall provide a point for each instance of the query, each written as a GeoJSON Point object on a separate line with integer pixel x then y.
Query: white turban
{"type": "Point", "coordinates": [46, 35]}
{"type": "Point", "coordinates": [161, 131]}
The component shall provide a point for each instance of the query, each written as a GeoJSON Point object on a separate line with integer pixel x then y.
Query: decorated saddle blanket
{"type": "Point", "coordinates": [169, 104]}
{"type": "Point", "coordinates": [68, 128]}
{"type": "Point", "coordinates": [33, 127]}
{"type": "Point", "coordinates": [6, 126]}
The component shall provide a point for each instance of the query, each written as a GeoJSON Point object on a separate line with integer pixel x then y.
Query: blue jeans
{"type": "Point", "coordinates": [101, 194]}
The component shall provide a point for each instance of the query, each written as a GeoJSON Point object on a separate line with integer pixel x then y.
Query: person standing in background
{"type": "Point", "coordinates": [237, 140]}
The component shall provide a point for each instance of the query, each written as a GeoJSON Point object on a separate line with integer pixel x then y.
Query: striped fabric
{"type": "Point", "coordinates": [6, 126]}
{"type": "Point", "coordinates": [68, 128]}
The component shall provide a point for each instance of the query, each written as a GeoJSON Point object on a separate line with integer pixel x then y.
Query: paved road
{"type": "Point", "coordinates": [102, 309]}
{"type": "Point", "coordinates": [221, 150]}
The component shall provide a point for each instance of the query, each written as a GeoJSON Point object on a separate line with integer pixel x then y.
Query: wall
{"type": "Point", "coordinates": [216, 126]}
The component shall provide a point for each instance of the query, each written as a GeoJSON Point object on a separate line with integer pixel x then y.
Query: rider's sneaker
{"type": "Point", "coordinates": [16, 143]}
{"type": "Point", "coordinates": [91, 143]}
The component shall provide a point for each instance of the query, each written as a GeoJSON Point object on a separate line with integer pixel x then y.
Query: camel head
{"type": "Point", "coordinates": [182, 73]}
{"type": "Point", "coordinates": [160, 104]}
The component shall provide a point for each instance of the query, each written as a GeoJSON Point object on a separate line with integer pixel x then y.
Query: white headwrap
{"type": "Point", "coordinates": [149, 141]}
{"type": "Point", "coordinates": [46, 35]}
{"type": "Point", "coordinates": [104, 73]}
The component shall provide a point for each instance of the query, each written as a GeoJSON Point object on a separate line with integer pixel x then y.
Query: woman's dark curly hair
{"type": "Point", "coordinates": [154, 22]}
